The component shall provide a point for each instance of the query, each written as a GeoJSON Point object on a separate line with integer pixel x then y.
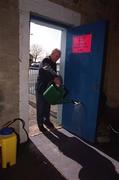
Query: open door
{"type": "Point", "coordinates": [83, 69]}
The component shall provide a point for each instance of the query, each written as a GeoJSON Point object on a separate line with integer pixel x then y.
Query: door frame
{"type": "Point", "coordinates": [43, 9]}
{"type": "Point", "coordinates": [63, 28]}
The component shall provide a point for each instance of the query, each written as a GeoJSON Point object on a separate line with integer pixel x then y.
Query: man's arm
{"type": "Point", "coordinates": [49, 69]}
{"type": "Point", "coordinates": [51, 72]}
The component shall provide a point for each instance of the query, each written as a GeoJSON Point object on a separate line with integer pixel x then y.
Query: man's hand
{"type": "Point", "coordinates": [57, 81]}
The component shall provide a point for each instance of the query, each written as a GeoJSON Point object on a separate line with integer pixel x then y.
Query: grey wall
{"type": "Point", "coordinates": [9, 62]}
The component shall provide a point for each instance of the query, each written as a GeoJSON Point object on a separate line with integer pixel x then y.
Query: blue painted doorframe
{"type": "Point", "coordinates": [83, 71]}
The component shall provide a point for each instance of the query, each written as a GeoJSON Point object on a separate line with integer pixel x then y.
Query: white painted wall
{"type": "Point", "coordinates": [46, 9]}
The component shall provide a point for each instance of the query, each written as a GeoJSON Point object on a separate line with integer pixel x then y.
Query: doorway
{"type": "Point", "coordinates": [42, 8]}
{"type": "Point", "coordinates": [44, 37]}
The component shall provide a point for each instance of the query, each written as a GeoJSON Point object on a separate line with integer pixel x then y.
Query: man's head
{"type": "Point", "coordinates": [55, 55]}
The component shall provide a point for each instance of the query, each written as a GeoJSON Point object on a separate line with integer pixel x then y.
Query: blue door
{"type": "Point", "coordinates": [83, 72]}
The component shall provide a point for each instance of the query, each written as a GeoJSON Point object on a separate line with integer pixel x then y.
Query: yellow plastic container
{"type": "Point", "coordinates": [8, 145]}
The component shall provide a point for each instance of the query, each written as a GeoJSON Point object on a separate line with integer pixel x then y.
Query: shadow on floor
{"type": "Point", "coordinates": [31, 165]}
{"type": "Point", "coordinates": [94, 165]}
{"type": "Point", "coordinates": [111, 149]}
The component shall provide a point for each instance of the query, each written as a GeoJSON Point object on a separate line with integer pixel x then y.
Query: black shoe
{"type": "Point", "coordinates": [49, 125]}
{"type": "Point", "coordinates": [41, 128]}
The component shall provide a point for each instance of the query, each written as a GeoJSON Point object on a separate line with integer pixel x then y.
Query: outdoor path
{"type": "Point", "coordinates": [33, 128]}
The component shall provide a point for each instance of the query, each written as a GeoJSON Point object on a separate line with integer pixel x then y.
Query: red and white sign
{"type": "Point", "coordinates": [82, 43]}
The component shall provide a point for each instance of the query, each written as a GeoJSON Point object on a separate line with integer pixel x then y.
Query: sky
{"type": "Point", "coordinates": [47, 38]}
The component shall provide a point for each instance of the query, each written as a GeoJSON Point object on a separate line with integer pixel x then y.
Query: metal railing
{"type": "Point", "coordinates": [33, 73]}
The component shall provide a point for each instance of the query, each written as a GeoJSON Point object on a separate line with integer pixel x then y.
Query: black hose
{"type": "Point", "coordinates": [13, 121]}
{"type": "Point", "coordinates": [113, 129]}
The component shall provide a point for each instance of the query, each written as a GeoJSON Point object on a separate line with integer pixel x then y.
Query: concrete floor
{"type": "Point", "coordinates": [103, 140]}
{"type": "Point", "coordinates": [31, 165]}
{"type": "Point", "coordinates": [74, 158]}
{"type": "Point", "coordinates": [59, 155]}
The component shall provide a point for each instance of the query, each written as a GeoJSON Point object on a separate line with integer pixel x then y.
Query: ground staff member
{"type": "Point", "coordinates": [47, 74]}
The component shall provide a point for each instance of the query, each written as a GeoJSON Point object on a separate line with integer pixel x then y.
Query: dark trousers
{"type": "Point", "coordinates": [42, 109]}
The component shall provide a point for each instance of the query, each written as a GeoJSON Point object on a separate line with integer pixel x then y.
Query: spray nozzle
{"type": "Point", "coordinates": [76, 102]}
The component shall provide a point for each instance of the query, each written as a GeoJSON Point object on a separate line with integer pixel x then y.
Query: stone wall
{"type": "Point", "coordinates": [9, 62]}
{"type": "Point", "coordinates": [91, 11]}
